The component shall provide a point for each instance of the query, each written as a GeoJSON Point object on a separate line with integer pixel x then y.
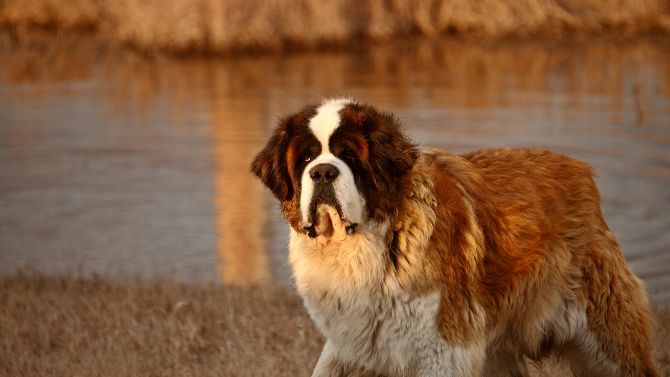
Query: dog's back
{"type": "Point", "coordinates": [554, 277]}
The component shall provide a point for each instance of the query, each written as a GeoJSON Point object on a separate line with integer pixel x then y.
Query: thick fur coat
{"type": "Point", "coordinates": [419, 262]}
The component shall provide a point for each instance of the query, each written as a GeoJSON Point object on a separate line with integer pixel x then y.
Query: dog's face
{"type": "Point", "coordinates": [337, 157]}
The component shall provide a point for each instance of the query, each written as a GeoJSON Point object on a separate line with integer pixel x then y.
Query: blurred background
{"type": "Point", "coordinates": [127, 127]}
{"type": "Point", "coordinates": [133, 239]}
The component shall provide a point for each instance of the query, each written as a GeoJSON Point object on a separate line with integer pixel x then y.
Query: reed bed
{"type": "Point", "coordinates": [68, 326]}
{"type": "Point", "coordinates": [223, 26]}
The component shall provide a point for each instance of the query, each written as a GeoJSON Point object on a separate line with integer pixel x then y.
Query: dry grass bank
{"type": "Point", "coordinates": [75, 327]}
{"type": "Point", "coordinates": [223, 26]}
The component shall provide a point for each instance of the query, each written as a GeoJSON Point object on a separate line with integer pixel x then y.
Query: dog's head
{"type": "Point", "coordinates": [339, 158]}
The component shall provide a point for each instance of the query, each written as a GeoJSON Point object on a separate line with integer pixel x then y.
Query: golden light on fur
{"type": "Point", "coordinates": [462, 265]}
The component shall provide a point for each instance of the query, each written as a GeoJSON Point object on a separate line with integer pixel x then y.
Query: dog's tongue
{"type": "Point", "coordinates": [329, 224]}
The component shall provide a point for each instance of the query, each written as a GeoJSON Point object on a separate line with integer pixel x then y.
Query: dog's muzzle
{"type": "Point", "coordinates": [323, 176]}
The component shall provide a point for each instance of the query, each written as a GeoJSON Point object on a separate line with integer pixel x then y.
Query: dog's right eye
{"type": "Point", "coordinates": [348, 156]}
{"type": "Point", "coordinates": [307, 158]}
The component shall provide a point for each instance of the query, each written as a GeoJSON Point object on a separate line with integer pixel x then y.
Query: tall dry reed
{"type": "Point", "coordinates": [222, 26]}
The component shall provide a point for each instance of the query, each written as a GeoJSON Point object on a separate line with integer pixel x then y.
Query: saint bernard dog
{"type": "Point", "coordinates": [418, 262]}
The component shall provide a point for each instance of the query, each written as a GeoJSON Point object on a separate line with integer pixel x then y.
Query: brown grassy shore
{"type": "Point", "coordinates": [83, 327]}
{"type": "Point", "coordinates": [91, 327]}
{"type": "Point", "coordinates": [222, 26]}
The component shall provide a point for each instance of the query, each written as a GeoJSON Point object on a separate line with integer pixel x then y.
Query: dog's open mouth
{"type": "Point", "coordinates": [327, 220]}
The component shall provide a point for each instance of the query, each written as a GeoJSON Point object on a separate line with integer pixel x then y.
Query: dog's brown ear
{"type": "Point", "coordinates": [270, 166]}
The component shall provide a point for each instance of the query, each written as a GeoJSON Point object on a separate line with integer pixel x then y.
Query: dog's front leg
{"type": "Point", "coordinates": [330, 365]}
{"type": "Point", "coordinates": [442, 360]}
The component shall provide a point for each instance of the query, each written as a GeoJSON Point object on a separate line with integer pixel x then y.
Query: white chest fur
{"type": "Point", "coordinates": [362, 311]}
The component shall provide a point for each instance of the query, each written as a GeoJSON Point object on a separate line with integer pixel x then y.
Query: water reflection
{"type": "Point", "coordinates": [114, 162]}
{"type": "Point", "coordinates": [241, 213]}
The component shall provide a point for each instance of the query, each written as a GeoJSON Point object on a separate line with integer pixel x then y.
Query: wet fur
{"type": "Point", "coordinates": [467, 264]}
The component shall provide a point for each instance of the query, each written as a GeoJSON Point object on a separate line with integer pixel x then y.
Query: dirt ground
{"type": "Point", "coordinates": [92, 327]}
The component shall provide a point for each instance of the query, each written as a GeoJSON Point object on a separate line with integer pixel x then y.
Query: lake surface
{"type": "Point", "coordinates": [125, 166]}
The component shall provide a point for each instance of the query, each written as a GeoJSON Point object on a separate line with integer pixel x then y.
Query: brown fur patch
{"type": "Point", "coordinates": [520, 232]}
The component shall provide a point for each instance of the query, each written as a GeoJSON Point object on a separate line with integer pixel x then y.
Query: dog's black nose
{"type": "Point", "coordinates": [323, 173]}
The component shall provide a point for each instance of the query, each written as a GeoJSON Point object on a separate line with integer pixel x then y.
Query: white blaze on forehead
{"type": "Point", "coordinates": [326, 120]}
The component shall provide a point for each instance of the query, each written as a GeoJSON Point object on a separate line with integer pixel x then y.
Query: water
{"type": "Point", "coordinates": [124, 166]}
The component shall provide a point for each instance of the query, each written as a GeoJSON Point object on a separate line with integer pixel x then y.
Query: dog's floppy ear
{"type": "Point", "coordinates": [270, 166]}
